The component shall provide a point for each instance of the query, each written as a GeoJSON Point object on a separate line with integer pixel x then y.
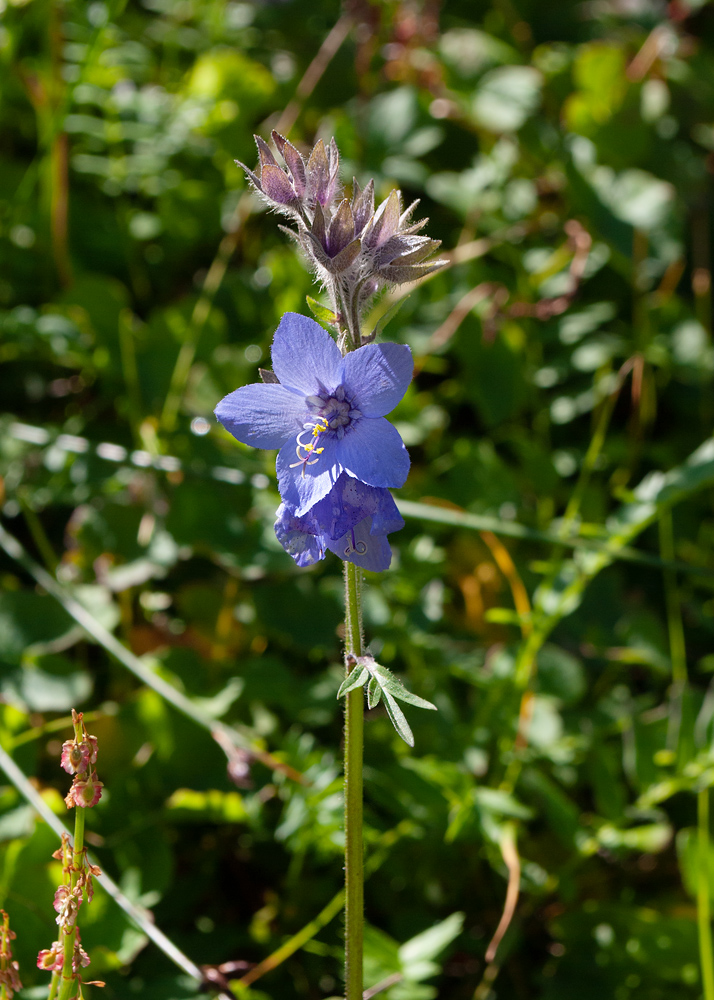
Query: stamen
{"type": "Point", "coordinates": [318, 428]}
{"type": "Point", "coordinates": [359, 547]}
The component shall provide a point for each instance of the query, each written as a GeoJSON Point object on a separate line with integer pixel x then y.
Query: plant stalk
{"type": "Point", "coordinates": [354, 741]}
{"type": "Point", "coordinates": [68, 983]}
{"type": "Point", "coordinates": [703, 898]}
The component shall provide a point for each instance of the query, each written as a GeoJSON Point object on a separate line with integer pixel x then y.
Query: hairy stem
{"type": "Point", "coordinates": [354, 739]}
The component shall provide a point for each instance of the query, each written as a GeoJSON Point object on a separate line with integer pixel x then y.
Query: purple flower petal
{"type": "Point", "coordinates": [352, 521]}
{"type": "Point", "coordinates": [362, 548]}
{"type": "Point", "coordinates": [306, 547]}
{"type": "Point", "coordinates": [348, 503]}
{"type": "Point", "coordinates": [386, 518]}
{"type": "Point", "coordinates": [374, 452]}
{"type": "Point", "coordinates": [377, 376]}
{"type": "Point", "coordinates": [264, 416]}
{"type": "Point", "coordinates": [305, 357]}
{"type": "Point", "coordinates": [301, 492]}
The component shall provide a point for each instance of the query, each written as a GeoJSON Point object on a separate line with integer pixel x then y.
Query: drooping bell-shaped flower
{"type": "Point", "coordinates": [352, 521]}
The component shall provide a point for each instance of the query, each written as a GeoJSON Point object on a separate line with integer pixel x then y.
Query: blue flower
{"type": "Point", "coordinates": [325, 413]}
{"type": "Point", "coordinates": [352, 521]}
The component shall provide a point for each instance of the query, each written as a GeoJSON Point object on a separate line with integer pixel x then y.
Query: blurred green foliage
{"type": "Point", "coordinates": [565, 368]}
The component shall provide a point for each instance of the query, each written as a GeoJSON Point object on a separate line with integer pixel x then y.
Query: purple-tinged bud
{"type": "Point", "coordinates": [276, 185]}
{"type": "Point", "coordinates": [334, 265]}
{"type": "Point", "coordinates": [385, 222]}
{"type": "Point", "coordinates": [321, 174]}
{"type": "Point", "coordinates": [264, 152]}
{"type": "Point", "coordinates": [85, 792]}
{"type": "Point", "coordinates": [341, 231]}
{"type": "Point", "coordinates": [405, 250]}
{"type": "Point", "coordinates": [318, 174]}
{"type": "Point", "coordinates": [362, 205]}
{"type": "Point", "coordinates": [319, 230]}
{"type": "Point", "coordinates": [294, 161]}
{"type": "Point", "coordinates": [397, 274]}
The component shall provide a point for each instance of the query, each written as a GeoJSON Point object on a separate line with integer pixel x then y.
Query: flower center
{"type": "Point", "coordinates": [331, 415]}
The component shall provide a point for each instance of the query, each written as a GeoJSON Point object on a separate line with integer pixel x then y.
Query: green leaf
{"type": "Point", "coordinates": [505, 616]}
{"type": "Point", "coordinates": [374, 693]}
{"type": "Point", "coordinates": [398, 720]}
{"type": "Point", "coordinates": [320, 312]}
{"type": "Point", "coordinates": [390, 683]}
{"type": "Point", "coordinates": [426, 946]}
{"type": "Point", "coordinates": [385, 318]}
{"type": "Point", "coordinates": [694, 864]}
{"type": "Point", "coordinates": [356, 678]}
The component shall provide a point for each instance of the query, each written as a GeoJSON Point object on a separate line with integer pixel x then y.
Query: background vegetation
{"type": "Point", "coordinates": [553, 591]}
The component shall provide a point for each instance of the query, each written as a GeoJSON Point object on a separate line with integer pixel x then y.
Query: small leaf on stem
{"type": "Point", "coordinates": [356, 678]}
{"type": "Point", "coordinates": [374, 693]}
{"type": "Point", "coordinates": [398, 719]}
{"type": "Point", "coordinates": [320, 312]}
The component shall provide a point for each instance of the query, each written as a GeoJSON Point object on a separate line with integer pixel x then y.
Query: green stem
{"type": "Point", "coordinates": [674, 612]}
{"type": "Point", "coordinates": [354, 739]}
{"type": "Point", "coordinates": [589, 462]}
{"type": "Point", "coordinates": [703, 898]}
{"type": "Point", "coordinates": [68, 981]}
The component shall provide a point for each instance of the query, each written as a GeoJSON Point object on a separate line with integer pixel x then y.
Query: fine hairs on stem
{"type": "Point", "coordinates": [353, 754]}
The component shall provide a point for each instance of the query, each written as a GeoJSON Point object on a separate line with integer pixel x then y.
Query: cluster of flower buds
{"type": "Point", "coordinates": [354, 248]}
{"type": "Point", "coordinates": [66, 957]}
{"type": "Point", "coordinates": [9, 971]}
{"type": "Point", "coordinates": [78, 758]}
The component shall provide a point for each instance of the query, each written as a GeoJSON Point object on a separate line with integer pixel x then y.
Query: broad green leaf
{"type": "Point", "coordinates": [506, 97]}
{"type": "Point", "coordinates": [427, 945]}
